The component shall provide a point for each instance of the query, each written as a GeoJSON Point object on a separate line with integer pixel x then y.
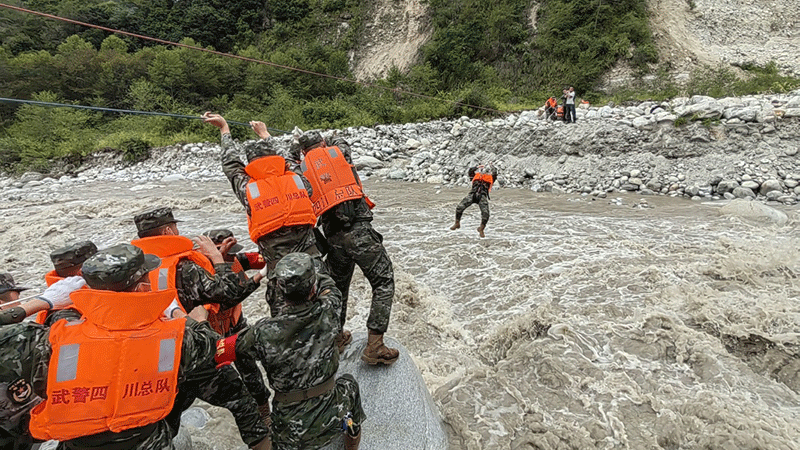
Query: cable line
{"type": "Point", "coordinates": [123, 111]}
{"type": "Point", "coordinates": [243, 58]}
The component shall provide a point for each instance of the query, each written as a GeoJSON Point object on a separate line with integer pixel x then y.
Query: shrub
{"type": "Point", "coordinates": [135, 150]}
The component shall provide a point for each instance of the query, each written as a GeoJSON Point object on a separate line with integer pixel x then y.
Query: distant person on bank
{"type": "Point", "coordinates": [569, 106]}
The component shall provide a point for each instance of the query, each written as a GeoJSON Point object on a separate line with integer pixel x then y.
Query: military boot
{"type": "Point", "coordinates": [456, 225]}
{"type": "Point", "coordinates": [351, 442]}
{"type": "Point", "coordinates": [481, 228]}
{"type": "Point", "coordinates": [376, 352]}
{"type": "Point", "coordinates": [343, 340]}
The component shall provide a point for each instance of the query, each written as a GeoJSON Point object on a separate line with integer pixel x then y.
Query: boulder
{"type": "Point", "coordinates": [743, 192]}
{"type": "Point", "coordinates": [400, 411]}
{"type": "Point", "coordinates": [362, 162]}
{"type": "Point", "coordinates": [754, 212]}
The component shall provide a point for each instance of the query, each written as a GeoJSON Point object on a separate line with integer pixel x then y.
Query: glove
{"type": "Point", "coordinates": [263, 272]}
{"type": "Point", "coordinates": [172, 308]}
{"type": "Point", "coordinates": [57, 295]}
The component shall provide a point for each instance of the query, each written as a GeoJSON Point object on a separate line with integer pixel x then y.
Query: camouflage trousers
{"type": "Point", "coordinates": [315, 422]}
{"type": "Point", "coordinates": [483, 204]}
{"type": "Point", "coordinates": [362, 245]}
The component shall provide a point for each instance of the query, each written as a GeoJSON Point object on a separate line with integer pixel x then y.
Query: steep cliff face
{"type": "Point", "coordinates": [688, 33]}
{"type": "Point", "coordinates": [394, 35]}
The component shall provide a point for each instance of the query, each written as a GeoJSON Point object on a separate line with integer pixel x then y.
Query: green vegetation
{"type": "Point", "coordinates": [482, 53]}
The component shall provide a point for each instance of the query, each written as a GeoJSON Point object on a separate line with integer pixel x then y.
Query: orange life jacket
{"type": "Point", "coordinates": [332, 178]}
{"type": "Point", "coordinates": [172, 250]}
{"type": "Point", "coordinates": [223, 321]}
{"type": "Point", "coordinates": [485, 177]}
{"type": "Point", "coordinates": [276, 196]}
{"type": "Point", "coordinates": [117, 369]}
{"type": "Point", "coordinates": [52, 278]}
{"type": "Point", "coordinates": [551, 102]}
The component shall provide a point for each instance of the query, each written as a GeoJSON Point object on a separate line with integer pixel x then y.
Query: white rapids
{"type": "Point", "coordinates": [576, 323]}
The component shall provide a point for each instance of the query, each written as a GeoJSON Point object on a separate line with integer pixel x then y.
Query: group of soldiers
{"type": "Point", "coordinates": [126, 338]}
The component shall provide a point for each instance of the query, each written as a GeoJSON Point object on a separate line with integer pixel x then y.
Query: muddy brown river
{"type": "Point", "coordinates": [577, 323]}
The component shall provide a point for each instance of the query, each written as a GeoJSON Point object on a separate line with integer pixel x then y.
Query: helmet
{"type": "Point", "coordinates": [117, 268]}
{"type": "Point", "coordinates": [257, 149]}
{"type": "Point", "coordinates": [309, 139]}
{"type": "Point", "coordinates": [72, 256]}
{"type": "Point", "coordinates": [219, 235]}
{"type": "Point", "coordinates": [295, 277]}
{"type": "Point", "coordinates": [150, 220]}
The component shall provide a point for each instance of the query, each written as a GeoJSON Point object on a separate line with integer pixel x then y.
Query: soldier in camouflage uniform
{"type": "Point", "coordinates": [16, 394]}
{"type": "Point", "coordinates": [55, 299]}
{"type": "Point", "coordinates": [247, 367]}
{"type": "Point", "coordinates": [286, 239]}
{"type": "Point", "coordinates": [17, 347]}
{"type": "Point", "coordinates": [121, 271]}
{"type": "Point", "coordinates": [298, 350]}
{"type": "Point", "coordinates": [482, 179]}
{"type": "Point", "coordinates": [9, 291]}
{"type": "Point", "coordinates": [67, 261]}
{"type": "Point", "coordinates": [351, 240]}
{"type": "Point", "coordinates": [195, 285]}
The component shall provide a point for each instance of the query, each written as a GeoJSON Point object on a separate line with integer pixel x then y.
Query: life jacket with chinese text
{"type": "Point", "coordinates": [331, 178]}
{"type": "Point", "coordinates": [277, 198]}
{"type": "Point", "coordinates": [115, 370]}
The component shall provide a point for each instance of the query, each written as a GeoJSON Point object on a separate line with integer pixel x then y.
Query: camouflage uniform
{"type": "Point", "coordinates": [13, 314]}
{"type": "Point", "coordinates": [247, 367]}
{"type": "Point", "coordinates": [298, 351]}
{"type": "Point", "coordinates": [198, 287]}
{"type": "Point", "coordinates": [281, 242]}
{"type": "Point", "coordinates": [478, 193]}
{"type": "Point", "coordinates": [194, 284]}
{"type": "Point", "coordinates": [197, 373]}
{"type": "Point", "coordinates": [16, 363]}
{"type": "Point", "coordinates": [351, 240]}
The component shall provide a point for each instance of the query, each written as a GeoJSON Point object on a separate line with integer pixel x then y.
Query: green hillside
{"type": "Point", "coordinates": [482, 53]}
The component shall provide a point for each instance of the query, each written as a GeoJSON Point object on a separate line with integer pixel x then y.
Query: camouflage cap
{"type": "Point", "coordinates": [153, 219]}
{"type": "Point", "coordinates": [72, 255]}
{"type": "Point", "coordinates": [295, 277]}
{"type": "Point", "coordinates": [117, 268]}
{"type": "Point", "coordinates": [309, 139]}
{"type": "Point", "coordinates": [219, 235]}
{"type": "Point", "coordinates": [259, 148]}
{"type": "Point", "coordinates": [7, 284]}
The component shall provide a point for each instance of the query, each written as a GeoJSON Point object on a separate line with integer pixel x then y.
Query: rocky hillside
{"type": "Point", "coordinates": [688, 34]}
{"type": "Point", "coordinates": [699, 147]}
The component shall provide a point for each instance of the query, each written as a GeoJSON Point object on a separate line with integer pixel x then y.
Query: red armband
{"type": "Point", "coordinates": [256, 260]}
{"type": "Point", "coordinates": [226, 351]}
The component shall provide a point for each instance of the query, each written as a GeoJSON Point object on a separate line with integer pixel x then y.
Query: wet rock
{"type": "Point", "coordinates": [400, 412]}
{"type": "Point", "coordinates": [754, 212]}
